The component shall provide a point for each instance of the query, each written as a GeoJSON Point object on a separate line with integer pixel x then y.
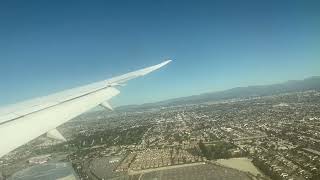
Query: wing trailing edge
{"type": "Point", "coordinates": [25, 121]}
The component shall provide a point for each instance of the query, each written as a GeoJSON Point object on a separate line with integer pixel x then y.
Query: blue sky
{"type": "Point", "coordinates": [48, 46]}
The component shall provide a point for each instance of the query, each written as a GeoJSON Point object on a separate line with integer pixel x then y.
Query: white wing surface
{"type": "Point", "coordinates": [22, 122]}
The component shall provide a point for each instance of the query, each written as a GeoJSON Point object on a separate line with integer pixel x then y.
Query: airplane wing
{"type": "Point", "coordinates": [25, 121]}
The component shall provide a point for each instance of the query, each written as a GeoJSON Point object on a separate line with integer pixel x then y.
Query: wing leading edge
{"type": "Point", "coordinates": [22, 122]}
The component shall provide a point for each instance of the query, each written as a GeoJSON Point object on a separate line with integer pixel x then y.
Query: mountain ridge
{"type": "Point", "coordinates": [310, 83]}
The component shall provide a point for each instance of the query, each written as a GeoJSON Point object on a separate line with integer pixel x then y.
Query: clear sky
{"type": "Point", "coordinates": [48, 46]}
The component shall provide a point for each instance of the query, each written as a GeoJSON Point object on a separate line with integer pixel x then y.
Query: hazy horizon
{"type": "Point", "coordinates": [224, 90]}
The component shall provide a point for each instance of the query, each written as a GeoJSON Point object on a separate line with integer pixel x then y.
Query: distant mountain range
{"type": "Point", "coordinates": [312, 83]}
